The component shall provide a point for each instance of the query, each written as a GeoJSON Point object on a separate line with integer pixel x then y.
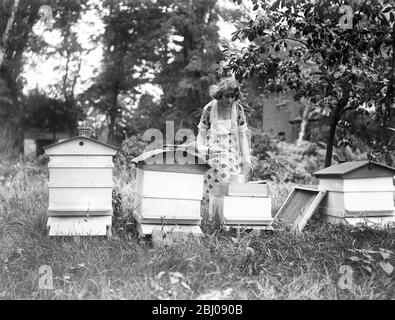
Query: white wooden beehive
{"type": "Point", "coordinates": [242, 204]}
{"type": "Point", "coordinates": [80, 187]}
{"type": "Point", "coordinates": [169, 192]}
{"type": "Point", "coordinates": [358, 192]}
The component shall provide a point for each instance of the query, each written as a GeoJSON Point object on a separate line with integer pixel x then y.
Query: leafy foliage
{"type": "Point", "coordinates": [131, 52]}
{"type": "Point", "coordinates": [130, 148]}
{"type": "Point", "coordinates": [280, 161]}
{"type": "Point", "coordinates": [299, 45]}
{"type": "Point", "coordinates": [21, 40]}
{"type": "Point", "coordinates": [178, 53]}
{"type": "Point", "coordinates": [372, 261]}
{"type": "Point", "coordinates": [186, 78]}
{"type": "Point", "coordinates": [44, 113]}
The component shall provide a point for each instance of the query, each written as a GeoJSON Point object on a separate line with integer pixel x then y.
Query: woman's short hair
{"type": "Point", "coordinates": [229, 83]}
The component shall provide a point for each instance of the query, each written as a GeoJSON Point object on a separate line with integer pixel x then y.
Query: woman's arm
{"type": "Point", "coordinates": [203, 126]}
{"type": "Point", "coordinates": [247, 168]}
{"type": "Point", "coordinates": [245, 148]}
{"type": "Point", "coordinates": [200, 142]}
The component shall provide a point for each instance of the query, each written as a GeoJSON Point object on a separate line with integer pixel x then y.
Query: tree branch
{"type": "Point", "coordinates": [7, 31]}
{"type": "Point", "coordinates": [287, 38]}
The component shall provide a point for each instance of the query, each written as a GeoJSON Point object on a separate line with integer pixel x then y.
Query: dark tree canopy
{"type": "Point", "coordinates": [44, 113]}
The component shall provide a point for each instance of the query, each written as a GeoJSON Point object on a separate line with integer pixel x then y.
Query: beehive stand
{"type": "Point", "coordinates": [242, 205]}
{"type": "Point", "coordinates": [79, 226]}
{"type": "Point", "coordinates": [80, 187]}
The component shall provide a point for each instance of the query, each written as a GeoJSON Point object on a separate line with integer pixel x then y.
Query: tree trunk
{"type": "Point", "coordinates": [336, 117]}
{"type": "Point", "coordinates": [331, 138]}
{"type": "Point", "coordinates": [7, 31]}
{"type": "Point", "coordinates": [303, 124]}
{"type": "Point", "coordinates": [110, 135]}
{"type": "Point", "coordinates": [112, 116]}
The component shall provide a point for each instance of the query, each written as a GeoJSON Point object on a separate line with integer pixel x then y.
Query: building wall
{"type": "Point", "coordinates": [29, 147]}
{"type": "Point", "coordinates": [278, 110]}
{"type": "Point", "coordinates": [34, 140]}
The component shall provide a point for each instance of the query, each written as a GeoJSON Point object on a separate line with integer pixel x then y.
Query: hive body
{"type": "Point", "coordinates": [358, 192]}
{"type": "Point", "coordinates": [169, 192]}
{"type": "Point", "coordinates": [80, 187]}
{"type": "Point", "coordinates": [242, 205]}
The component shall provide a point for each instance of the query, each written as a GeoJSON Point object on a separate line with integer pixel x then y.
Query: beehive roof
{"type": "Point", "coordinates": [79, 138]}
{"type": "Point", "coordinates": [188, 167]}
{"type": "Point", "coordinates": [346, 168]}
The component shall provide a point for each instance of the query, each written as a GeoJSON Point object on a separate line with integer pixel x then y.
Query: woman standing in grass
{"type": "Point", "coordinates": [222, 135]}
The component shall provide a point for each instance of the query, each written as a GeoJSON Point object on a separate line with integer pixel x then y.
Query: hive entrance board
{"type": "Point", "coordinates": [299, 207]}
{"type": "Point", "coordinates": [169, 234]}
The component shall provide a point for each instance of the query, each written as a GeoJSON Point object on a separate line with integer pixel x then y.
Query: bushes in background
{"type": "Point", "coordinates": [130, 148]}
{"type": "Point", "coordinates": [280, 161]}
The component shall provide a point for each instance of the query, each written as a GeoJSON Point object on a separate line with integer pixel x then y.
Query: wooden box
{"type": "Point", "coordinates": [157, 210]}
{"type": "Point", "coordinates": [245, 204]}
{"type": "Point", "coordinates": [243, 210]}
{"type": "Point", "coordinates": [169, 185]}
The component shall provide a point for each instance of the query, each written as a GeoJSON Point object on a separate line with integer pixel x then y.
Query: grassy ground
{"type": "Point", "coordinates": [270, 265]}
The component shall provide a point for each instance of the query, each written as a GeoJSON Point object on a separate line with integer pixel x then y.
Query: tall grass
{"type": "Point", "coordinates": [266, 265]}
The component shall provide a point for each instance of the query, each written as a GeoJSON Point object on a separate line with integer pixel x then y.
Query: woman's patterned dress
{"type": "Point", "coordinates": [223, 136]}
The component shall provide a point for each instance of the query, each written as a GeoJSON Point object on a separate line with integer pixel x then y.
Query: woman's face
{"type": "Point", "coordinates": [228, 96]}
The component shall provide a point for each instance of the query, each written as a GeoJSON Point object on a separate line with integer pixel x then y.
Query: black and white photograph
{"type": "Point", "coordinates": [216, 152]}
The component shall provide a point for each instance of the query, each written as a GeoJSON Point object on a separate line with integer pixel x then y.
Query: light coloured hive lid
{"type": "Point", "coordinates": [70, 147]}
{"type": "Point", "coordinates": [346, 168]}
{"type": "Point", "coordinates": [189, 162]}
